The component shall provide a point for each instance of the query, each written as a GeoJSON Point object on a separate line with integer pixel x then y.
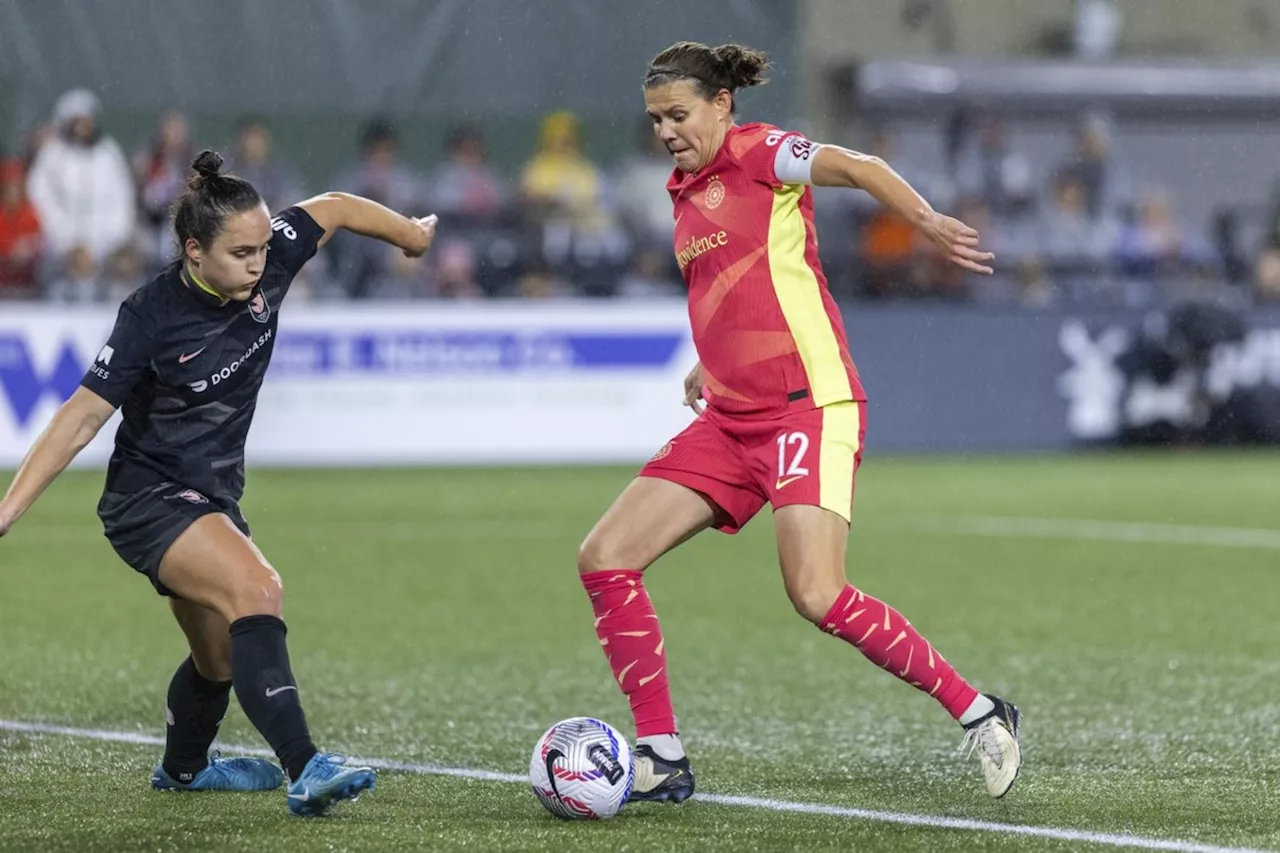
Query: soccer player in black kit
{"type": "Point", "coordinates": [185, 361]}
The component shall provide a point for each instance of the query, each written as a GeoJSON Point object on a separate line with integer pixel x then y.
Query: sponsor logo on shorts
{"type": "Point", "coordinates": [783, 483]}
{"type": "Point", "coordinates": [663, 453]}
{"type": "Point", "coordinates": [191, 496]}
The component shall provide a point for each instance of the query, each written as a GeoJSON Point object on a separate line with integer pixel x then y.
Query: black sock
{"type": "Point", "coordinates": [266, 690]}
{"type": "Point", "coordinates": [194, 709]}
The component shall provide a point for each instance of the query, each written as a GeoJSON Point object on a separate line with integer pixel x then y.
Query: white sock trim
{"type": "Point", "coordinates": [667, 747]}
{"type": "Point", "coordinates": [978, 708]}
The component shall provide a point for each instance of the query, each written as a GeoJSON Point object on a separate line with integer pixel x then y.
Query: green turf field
{"type": "Point", "coordinates": [435, 619]}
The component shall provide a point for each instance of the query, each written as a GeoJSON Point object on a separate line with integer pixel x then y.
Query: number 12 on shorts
{"type": "Point", "coordinates": [792, 448]}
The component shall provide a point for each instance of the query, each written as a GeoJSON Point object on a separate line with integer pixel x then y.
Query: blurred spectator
{"type": "Point", "coordinates": [992, 170]}
{"type": "Point", "coordinates": [1097, 29]}
{"type": "Point", "coordinates": [651, 276]}
{"type": "Point", "coordinates": [78, 281]}
{"type": "Point", "coordinates": [887, 244]}
{"type": "Point", "coordinates": [253, 160]}
{"type": "Point", "coordinates": [1074, 246]}
{"type": "Point", "coordinates": [402, 278]}
{"type": "Point", "coordinates": [1106, 182]}
{"type": "Point", "coordinates": [465, 187]}
{"type": "Point", "coordinates": [455, 270]}
{"type": "Point", "coordinates": [34, 141]}
{"type": "Point", "coordinates": [161, 171]}
{"type": "Point", "coordinates": [379, 175]}
{"type": "Point", "coordinates": [540, 281]}
{"type": "Point", "coordinates": [1032, 286]}
{"type": "Point", "coordinates": [1155, 249]}
{"type": "Point", "coordinates": [125, 272]}
{"type": "Point", "coordinates": [20, 239]}
{"type": "Point", "coordinates": [561, 185]}
{"type": "Point", "coordinates": [644, 204]}
{"type": "Point", "coordinates": [80, 184]}
{"type": "Point", "coordinates": [1267, 277]}
{"type": "Point", "coordinates": [448, 271]}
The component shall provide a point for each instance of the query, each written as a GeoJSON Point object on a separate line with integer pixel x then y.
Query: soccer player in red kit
{"type": "Point", "coordinates": [784, 414]}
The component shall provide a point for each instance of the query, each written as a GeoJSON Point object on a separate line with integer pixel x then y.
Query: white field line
{"type": "Point", "coordinates": [1105, 839]}
{"type": "Point", "coordinates": [1104, 531]}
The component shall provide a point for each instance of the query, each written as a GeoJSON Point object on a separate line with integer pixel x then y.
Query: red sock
{"type": "Point", "coordinates": [888, 640]}
{"type": "Point", "coordinates": [632, 640]}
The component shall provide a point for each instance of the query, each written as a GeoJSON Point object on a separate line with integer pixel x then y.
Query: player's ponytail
{"type": "Point", "coordinates": [742, 66]}
{"type": "Point", "coordinates": [710, 69]}
{"type": "Point", "coordinates": [211, 196]}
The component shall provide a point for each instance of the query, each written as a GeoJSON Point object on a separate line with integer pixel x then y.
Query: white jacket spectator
{"type": "Point", "coordinates": [80, 183]}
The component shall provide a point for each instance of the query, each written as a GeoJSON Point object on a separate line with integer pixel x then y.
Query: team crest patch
{"type": "Point", "coordinates": [715, 194]}
{"type": "Point", "coordinates": [259, 309]}
{"type": "Point", "coordinates": [663, 453]}
{"type": "Point", "coordinates": [191, 496]}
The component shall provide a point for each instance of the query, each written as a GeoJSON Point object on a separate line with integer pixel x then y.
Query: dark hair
{"type": "Point", "coordinates": [461, 134]}
{"type": "Point", "coordinates": [252, 120]}
{"type": "Point", "coordinates": [378, 131]}
{"type": "Point", "coordinates": [209, 199]}
{"type": "Point", "coordinates": [729, 66]}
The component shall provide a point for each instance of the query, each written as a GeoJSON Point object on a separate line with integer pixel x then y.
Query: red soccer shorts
{"type": "Point", "coordinates": [807, 457]}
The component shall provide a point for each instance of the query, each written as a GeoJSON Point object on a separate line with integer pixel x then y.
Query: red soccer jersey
{"type": "Point", "coordinates": [766, 329]}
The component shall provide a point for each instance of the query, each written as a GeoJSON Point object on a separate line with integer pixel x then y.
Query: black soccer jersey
{"type": "Point", "coordinates": [186, 371]}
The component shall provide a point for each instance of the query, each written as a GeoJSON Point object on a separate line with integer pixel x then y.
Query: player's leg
{"type": "Point", "coordinates": [649, 518]}
{"type": "Point", "coordinates": [683, 491]}
{"type": "Point", "coordinates": [813, 529]}
{"type": "Point", "coordinates": [213, 564]}
{"type": "Point", "coordinates": [195, 706]}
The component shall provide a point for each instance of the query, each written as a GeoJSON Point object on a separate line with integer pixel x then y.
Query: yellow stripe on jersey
{"type": "Point", "coordinates": [800, 298]}
{"type": "Point", "coordinates": [200, 284]}
{"type": "Point", "coordinates": [836, 457]}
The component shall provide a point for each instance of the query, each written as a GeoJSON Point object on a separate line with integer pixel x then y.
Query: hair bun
{"type": "Point", "coordinates": [208, 164]}
{"type": "Point", "coordinates": [743, 66]}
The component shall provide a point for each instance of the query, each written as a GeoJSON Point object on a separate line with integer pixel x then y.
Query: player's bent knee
{"type": "Point", "coordinates": [591, 554]}
{"type": "Point", "coordinates": [213, 664]}
{"type": "Point", "coordinates": [814, 601]}
{"type": "Point", "coordinates": [600, 551]}
{"type": "Point", "coordinates": [261, 593]}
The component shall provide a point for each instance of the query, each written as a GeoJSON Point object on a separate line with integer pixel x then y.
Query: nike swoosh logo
{"type": "Point", "coordinates": [782, 484]}
{"type": "Point", "coordinates": [306, 794]}
{"type": "Point", "coordinates": [272, 691]}
{"type": "Point", "coordinates": [185, 357]}
{"type": "Point", "coordinates": [552, 757]}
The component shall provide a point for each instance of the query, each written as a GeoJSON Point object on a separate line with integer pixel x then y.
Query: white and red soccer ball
{"type": "Point", "coordinates": [581, 769]}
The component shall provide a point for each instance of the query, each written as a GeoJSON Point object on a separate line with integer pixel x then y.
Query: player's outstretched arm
{"type": "Point", "coordinates": [335, 210]}
{"type": "Point", "coordinates": [834, 166]}
{"type": "Point", "coordinates": [71, 429]}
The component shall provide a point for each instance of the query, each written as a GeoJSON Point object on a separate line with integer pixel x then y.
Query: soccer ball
{"type": "Point", "coordinates": [581, 769]}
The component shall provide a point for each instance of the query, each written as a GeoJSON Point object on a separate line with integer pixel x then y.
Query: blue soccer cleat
{"type": "Point", "coordinates": [325, 781]}
{"type": "Point", "coordinates": [224, 774]}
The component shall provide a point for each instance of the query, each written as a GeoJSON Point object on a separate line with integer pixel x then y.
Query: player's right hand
{"type": "Point", "coordinates": [693, 389]}
{"type": "Point", "coordinates": [5, 523]}
{"type": "Point", "coordinates": [423, 237]}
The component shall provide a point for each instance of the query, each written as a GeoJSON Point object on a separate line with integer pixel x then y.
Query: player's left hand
{"type": "Point", "coordinates": [957, 241]}
{"type": "Point", "coordinates": [693, 389]}
{"type": "Point", "coordinates": [423, 235]}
